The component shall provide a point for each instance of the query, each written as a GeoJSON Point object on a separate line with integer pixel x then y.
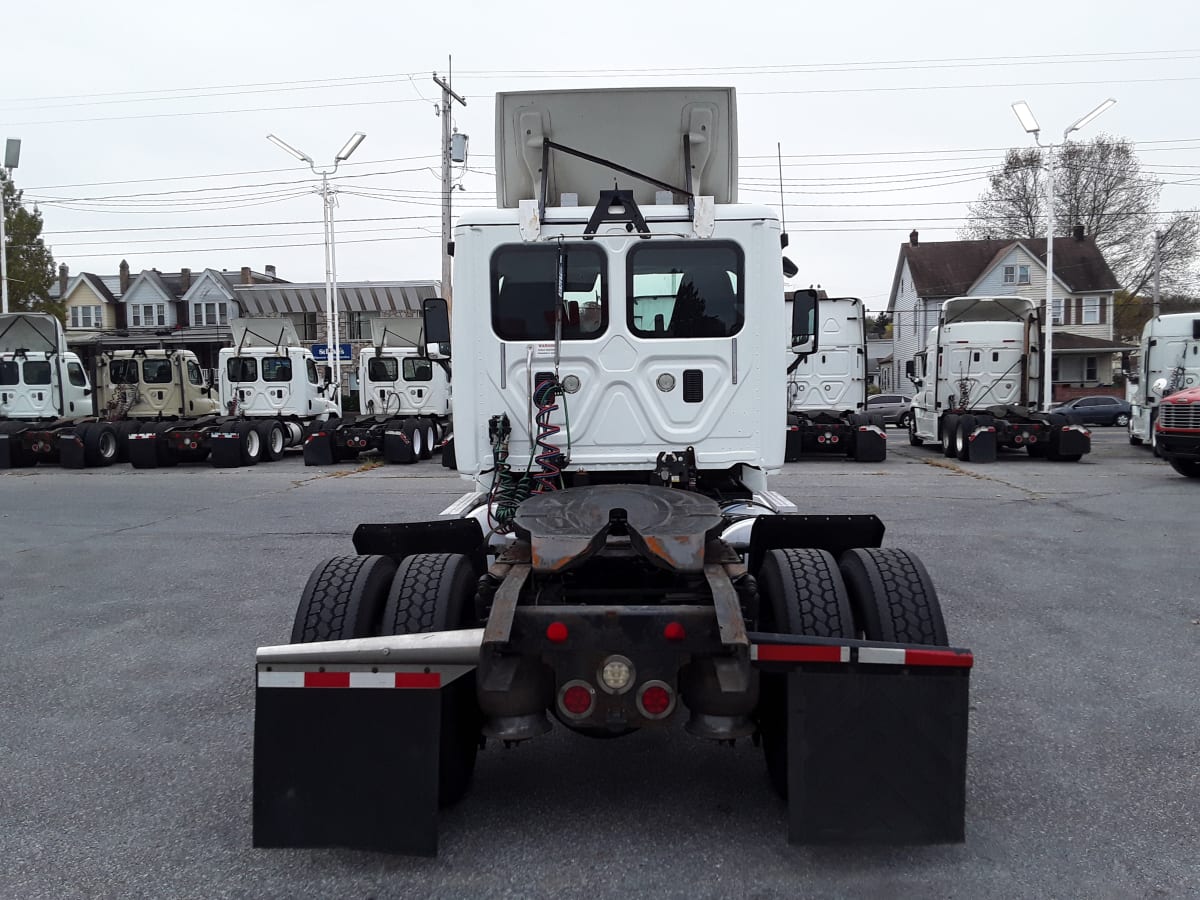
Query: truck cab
{"type": "Point", "coordinates": [40, 380]}
{"type": "Point", "coordinates": [268, 373]}
{"type": "Point", "coordinates": [395, 378]}
{"type": "Point", "coordinates": [1170, 362]}
{"type": "Point", "coordinates": [152, 384]}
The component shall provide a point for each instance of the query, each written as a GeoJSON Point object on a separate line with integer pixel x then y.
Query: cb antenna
{"type": "Point", "coordinates": [782, 208]}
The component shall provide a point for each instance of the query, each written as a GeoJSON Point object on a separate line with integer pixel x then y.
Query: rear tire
{"type": "Point", "coordinates": [801, 592]}
{"type": "Point", "coordinates": [271, 435]}
{"type": "Point", "coordinates": [250, 442]}
{"type": "Point", "coordinates": [893, 597]}
{"type": "Point", "coordinates": [949, 429]}
{"type": "Point", "coordinates": [436, 592]}
{"type": "Point", "coordinates": [416, 439]}
{"type": "Point", "coordinates": [100, 445]}
{"type": "Point", "coordinates": [962, 437]}
{"type": "Point", "coordinates": [343, 599]}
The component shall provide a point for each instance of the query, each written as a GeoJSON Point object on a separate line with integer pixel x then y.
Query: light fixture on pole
{"type": "Point", "coordinates": [12, 155]}
{"type": "Point", "coordinates": [333, 337]}
{"type": "Point", "coordinates": [1029, 123]}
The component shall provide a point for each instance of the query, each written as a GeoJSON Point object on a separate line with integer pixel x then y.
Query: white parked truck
{"type": "Point", "coordinates": [271, 397]}
{"type": "Point", "coordinates": [53, 412]}
{"type": "Point", "coordinates": [827, 385]}
{"type": "Point", "coordinates": [619, 561]}
{"type": "Point", "coordinates": [978, 384]}
{"type": "Point", "coordinates": [1170, 362]}
{"type": "Point", "coordinates": [404, 401]}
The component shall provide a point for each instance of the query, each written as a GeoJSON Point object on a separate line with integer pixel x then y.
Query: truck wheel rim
{"type": "Point", "coordinates": [108, 445]}
{"type": "Point", "coordinates": [253, 446]}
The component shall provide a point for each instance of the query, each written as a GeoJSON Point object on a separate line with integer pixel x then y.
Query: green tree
{"type": "Point", "coordinates": [30, 263]}
{"type": "Point", "coordinates": [1099, 185]}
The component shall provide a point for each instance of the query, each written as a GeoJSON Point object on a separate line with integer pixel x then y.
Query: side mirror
{"type": "Point", "coordinates": [435, 312]}
{"type": "Point", "coordinates": [804, 321]}
{"type": "Point", "coordinates": [910, 368]}
{"type": "Point", "coordinates": [87, 392]}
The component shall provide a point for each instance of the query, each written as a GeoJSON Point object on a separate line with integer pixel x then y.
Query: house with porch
{"type": "Point", "coordinates": [1086, 356]}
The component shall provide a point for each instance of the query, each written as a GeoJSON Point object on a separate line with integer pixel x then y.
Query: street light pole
{"type": "Point", "coordinates": [1029, 123]}
{"type": "Point", "coordinates": [12, 155]}
{"type": "Point", "coordinates": [333, 336]}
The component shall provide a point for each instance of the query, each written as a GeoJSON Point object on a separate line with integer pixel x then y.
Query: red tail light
{"type": "Point", "coordinates": [556, 632]}
{"type": "Point", "coordinates": [576, 699]}
{"type": "Point", "coordinates": [656, 700]}
{"type": "Point", "coordinates": [674, 631]}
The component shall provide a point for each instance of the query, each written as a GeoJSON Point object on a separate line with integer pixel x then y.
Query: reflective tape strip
{"type": "Point", "coordinates": [415, 678]}
{"type": "Point", "coordinates": [879, 656]}
{"type": "Point", "coordinates": [225, 435]}
{"type": "Point", "coordinates": [799, 653]}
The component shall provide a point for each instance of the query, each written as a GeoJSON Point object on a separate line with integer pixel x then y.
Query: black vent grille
{"type": "Point", "coordinates": [693, 385]}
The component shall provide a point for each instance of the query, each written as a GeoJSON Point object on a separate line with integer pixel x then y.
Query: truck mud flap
{"type": "Point", "coordinates": [397, 446]}
{"type": "Point", "coordinates": [8, 444]}
{"type": "Point", "coordinates": [1071, 441]}
{"type": "Point", "coordinates": [870, 444]}
{"type": "Point", "coordinates": [350, 758]}
{"type": "Point", "coordinates": [226, 450]}
{"type": "Point", "coordinates": [793, 447]}
{"type": "Point", "coordinates": [71, 454]}
{"type": "Point", "coordinates": [318, 449]}
{"type": "Point", "coordinates": [142, 449]}
{"type": "Point", "coordinates": [876, 739]}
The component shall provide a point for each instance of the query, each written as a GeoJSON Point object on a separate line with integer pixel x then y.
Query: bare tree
{"type": "Point", "coordinates": [1100, 186]}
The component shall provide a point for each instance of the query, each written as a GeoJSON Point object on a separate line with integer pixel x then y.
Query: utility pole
{"type": "Point", "coordinates": [444, 112]}
{"type": "Point", "coordinates": [1157, 244]}
{"type": "Point", "coordinates": [12, 155]}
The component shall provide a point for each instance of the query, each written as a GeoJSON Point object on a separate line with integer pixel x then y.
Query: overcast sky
{"type": "Point", "coordinates": [143, 127]}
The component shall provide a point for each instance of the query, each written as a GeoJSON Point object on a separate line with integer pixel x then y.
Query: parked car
{"type": "Point", "coordinates": [1100, 410]}
{"type": "Point", "coordinates": [893, 407]}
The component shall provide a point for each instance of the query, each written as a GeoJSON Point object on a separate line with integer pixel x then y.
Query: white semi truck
{"type": "Point", "coordinates": [1170, 362]}
{"type": "Point", "coordinates": [404, 401]}
{"type": "Point", "coordinates": [978, 384]}
{"type": "Point", "coordinates": [827, 385]}
{"type": "Point", "coordinates": [272, 397]}
{"type": "Point", "coordinates": [619, 561]}
{"type": "Point", "coordinates": [52, 411]}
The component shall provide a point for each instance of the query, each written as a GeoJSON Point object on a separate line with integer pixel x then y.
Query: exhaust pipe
{"type": "Point", "coordinates": [434, 648]}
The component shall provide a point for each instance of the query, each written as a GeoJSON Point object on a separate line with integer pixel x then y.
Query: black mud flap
{"type": "Point", "coordinates": [71, 454]}
{"type": "Point", "coordinates": [1071, 442]}
{"type": "Point", "coordinates": [402, 539]}
{"type": "Point", "coordinates": [6, 444]}
{"type": "Point", "coordinates": [345, 764]}
{"type": "Point", "coordinates": [983, 446]}
{"type": "Point", "coordinates": [318, 449]}
{"type": "Point", "coordinates": [142, 450]}
{"type": "Point", "coordinates": [870, 444]}
{"type": "Point", "coordinates": [876, 739]}
{"type": "Point", "coordinates": [397, 448]}
{"type": "Point", "coordinates": [226, 449]}
{"type": "Point", "coordinates": [793, 447]}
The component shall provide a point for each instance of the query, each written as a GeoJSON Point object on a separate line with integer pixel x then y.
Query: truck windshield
{"type": "Point", "coordinates": [418, 369]}
{"type": "Point", "coordinates": [8, 372]}
{"type": "Point", "coordinates": [524, 293]}
{"type": "Point", "coordinates": [36, 372]}
{"type": "Point", "coordinates": [242, 368]}
{"type": "Point", "coordinates": [685, 291]}
{"type": "Point", "coordinates": [381, 368]}
{"type": "Point", "coordinates": [156, 371]}
{"type": "Point", "coordinates": [276, 368]}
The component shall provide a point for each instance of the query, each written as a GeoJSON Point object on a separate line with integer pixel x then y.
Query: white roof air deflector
{"type": "Point", "coordinates": [987, 309]}
{"type": "Point", "coordinates": [264, 332]}
{"type": "Point", "coordinates": [640, 129]}
{"type": "Point", "coordinates": [36, 332]}
{"type": "Point", "coordinates": [396, 331]}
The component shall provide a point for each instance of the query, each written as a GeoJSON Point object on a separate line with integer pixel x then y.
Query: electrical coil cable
{"type": "Point", "coordinates": [508, 491]}
{"type": "Point", "coordinates": [549, 458]}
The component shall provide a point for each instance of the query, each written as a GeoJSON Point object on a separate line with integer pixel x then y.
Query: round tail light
{"type": "Point", "coordinates": [576, 699]}
{"type": "Point", "coordinates": [656, 700]}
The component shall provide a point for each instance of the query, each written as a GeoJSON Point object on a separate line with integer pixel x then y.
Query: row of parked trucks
{"type": "Point", "coordinates": [156, 407]}
{"type": "Point", "coordinates": [1164, 393]}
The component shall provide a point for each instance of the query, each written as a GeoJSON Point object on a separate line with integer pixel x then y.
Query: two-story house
{"type": "Point", "coordinates": [1083, 288]}
{"type": "Point", "coordinates": [174, 310]}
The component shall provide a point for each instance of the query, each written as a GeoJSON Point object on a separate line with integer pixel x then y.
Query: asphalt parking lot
{"type": "Point", "coordinates": [131, 603]}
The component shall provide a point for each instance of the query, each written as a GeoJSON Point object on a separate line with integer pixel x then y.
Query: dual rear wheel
{"type": "Point", "coordinates": [879, 594]}
{"type": "Point", "coordinates": [366, 596]}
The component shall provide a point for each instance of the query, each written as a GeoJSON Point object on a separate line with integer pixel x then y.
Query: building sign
{"type": "Point", "coordinates": [320, 352]}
